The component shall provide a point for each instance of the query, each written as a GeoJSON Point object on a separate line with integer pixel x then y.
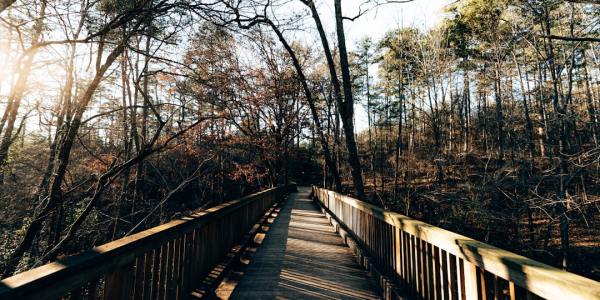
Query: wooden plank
{"type": "Point", "coordinates": [310, 270]}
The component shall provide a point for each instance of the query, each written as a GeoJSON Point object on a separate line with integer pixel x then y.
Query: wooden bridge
{"type": "Point", "coordinates": [286, 243]}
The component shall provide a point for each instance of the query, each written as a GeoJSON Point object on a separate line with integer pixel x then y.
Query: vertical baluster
{"type": "Point", "coordinates": [419, 267]}
{"type": "Point", "coordinates": [497, 288]}
{"type": "Point", "coordinates": [369, 231]}
{"type": "Point", "coordinates": [484, 284]}
{"type": "Point", "coordinates": [363, 221]}
{"type": "Point", "coordinates": [385, 240]}
{"type": "Point", "coordinates": [437, 275]}
{"type": "Point", "coordinates": [460, 278]}
{"type": "Point", "coordinates": [180, 267]}
{"type": "Point", "coordinates": [188, 264]}
{"type": "Point", "coordinates": [188, 271]}
{"type": "Point", "coordinates": [365, 227]}
{"type": "Point", "coordinates": [409, 261]}
{"type": "Point", "coordinates": [413, 266]}
{"type": "Point", "coordinates": [171, 268]}
{"type": "Point", "coordinates": [148, 274]}
{"type": "Point", "coordinates": [512, 291]}
{"type": "Point", "coordinates": [156, 266]}
{"type": "Point", "coordinates": [384, 247]}
{"type": "Point", "coordinates": [202, 251]}
{"type": "Point", "coordinates": [428, 270]}
{"type": "Point", "coordinates": [138, 285]}
{"type": "Point", "coordinates": [373, 236]}
{"type": "Point", "coordinates": [353, 217]}
{"type": "Point", "coordinates": [118, 284]}
{"type": "Point", "coordinates": [470, 276]}
{"type": "Point", "coordinates": [452, 270]}
{"type": "Point", "coordinates": [405, 258]}
{"type": "Point", "coordinates": [161, 286]}
{"type": "Point", "coordinates": [209, 244]}
{"type": "Point", "coordinates": [377, 241]}
{"type": "Point", "coordinates": [391, 247]}
{"type": "Point", "coordinates": [398, 254]}
{"type": "Point", "coordinates": [443, 270]}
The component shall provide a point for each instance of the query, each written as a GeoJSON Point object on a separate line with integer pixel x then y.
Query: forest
{"type": "Point", "coordinates": [119, 115]}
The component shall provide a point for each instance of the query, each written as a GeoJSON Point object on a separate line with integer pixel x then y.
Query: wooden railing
{"type": "Point", "coordinates": [428, 262]}
{"type": "Point", "coordinates": [164, 262]}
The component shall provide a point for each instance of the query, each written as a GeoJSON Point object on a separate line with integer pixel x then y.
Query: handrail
{"type": "Point", "coordinates": [429, 262]}
{"type": "Point", "coordinates": [169, 260]}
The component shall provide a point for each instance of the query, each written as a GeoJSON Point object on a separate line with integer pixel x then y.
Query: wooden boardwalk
{"type": "Point", "coordinates": [301, 257]}
{"type": "Point", "coordinates": [296, 255]}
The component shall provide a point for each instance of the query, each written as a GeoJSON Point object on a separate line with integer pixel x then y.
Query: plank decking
{"type": "Point", "coordinates": [302, 257]}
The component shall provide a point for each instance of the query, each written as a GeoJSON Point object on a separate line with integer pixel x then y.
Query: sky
{"type": "Point", "coordinates": [422, 14]}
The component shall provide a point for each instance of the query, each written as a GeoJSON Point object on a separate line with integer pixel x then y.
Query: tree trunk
{"type": "Point", "coordinates": [19, 89]}
{"type": "Point", "coordinates": [63, 154]}
{"type": "Point", "coordinates": [499, 113]}
{"type": "Point", "coordinates": [313, 109]}
{"type": "Point", "coordinates": [528, 122]}
{"type": "Point", "coordinates": [347, 107]}
{"type": "Point", "coordinates": [562, 145]}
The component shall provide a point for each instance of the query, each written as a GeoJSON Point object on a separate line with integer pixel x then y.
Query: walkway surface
{"type": "Point", "coordinates": [302, 257]}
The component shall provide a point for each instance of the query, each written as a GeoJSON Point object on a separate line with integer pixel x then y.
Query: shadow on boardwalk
{"type": "Point", "coordinates": [302, 257]}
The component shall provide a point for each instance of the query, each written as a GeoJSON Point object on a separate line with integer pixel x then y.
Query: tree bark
{"type": "Point", "coordinates": [19, 89]}
{"type": "Point", "coordinates": [347, 108]}
{"type": "Point", "coordinates": [54, 197]}
{"type": "Point", "coordinates": [313, 109]}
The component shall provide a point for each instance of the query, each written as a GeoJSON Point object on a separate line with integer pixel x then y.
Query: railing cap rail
{"type": "Point", "coordinates": [541, 279]}
{"type": "Point", "coordinates": [73, 271]}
